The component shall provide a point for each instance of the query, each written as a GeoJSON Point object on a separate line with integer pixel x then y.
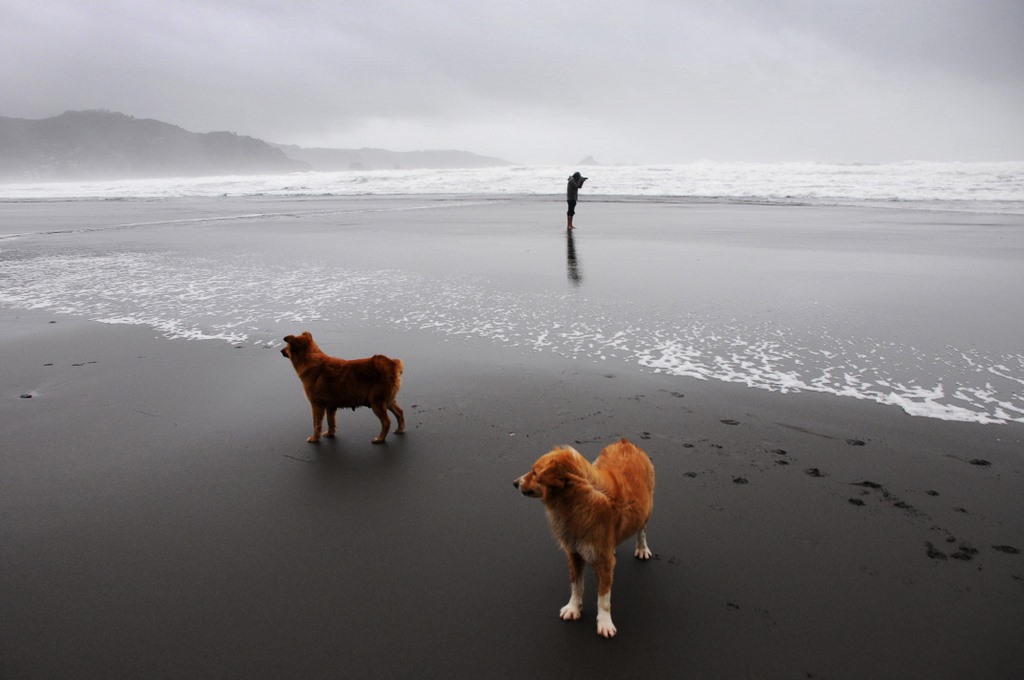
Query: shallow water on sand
{"type": "Point", "coordinates": [907, 308]}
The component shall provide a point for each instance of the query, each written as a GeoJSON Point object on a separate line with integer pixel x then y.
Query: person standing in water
{"type": "Point", "coordinates": [571, 193]}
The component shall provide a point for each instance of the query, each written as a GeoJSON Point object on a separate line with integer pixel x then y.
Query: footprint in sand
{"type": "Point", "coordinates": [868, 485]}
{"type": "Point", "coordinates": [966, 553]}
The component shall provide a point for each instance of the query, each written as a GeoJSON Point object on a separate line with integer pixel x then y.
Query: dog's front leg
{"type": "Point", "coordinates": [318, 419]}
{"type": "Point", "coordinates": [605, 573]}
{"type": "Point", "coordinates": [571, 611]}
{"type": "Point", "coordinates": [332, 422]}
{"type": "Point", "coordinates": [643, 551]}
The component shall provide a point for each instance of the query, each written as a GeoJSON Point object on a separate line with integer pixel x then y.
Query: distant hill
{"type": "Point", "coordinates": [108, 145]}
{"type": "Point", "coordinates": [381, 159]}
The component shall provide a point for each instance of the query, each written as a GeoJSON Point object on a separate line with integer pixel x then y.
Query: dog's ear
{"type": "Point", "coordinates": [299, 343]}
{"type": "Point", "coordinates": [559, 472]}
{"type": "Point", "coordinates": [551, 476]}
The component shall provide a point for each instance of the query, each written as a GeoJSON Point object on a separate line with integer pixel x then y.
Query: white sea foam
{"type": "Point", "coordinates": [987, 187]}
{"type": "Point", "coordinates": [235, 299]}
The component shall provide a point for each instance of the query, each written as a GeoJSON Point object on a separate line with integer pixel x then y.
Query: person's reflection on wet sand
{"type": "Point", "coordinates": [571, 262]}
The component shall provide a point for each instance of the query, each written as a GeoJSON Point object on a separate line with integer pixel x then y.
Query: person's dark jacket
{"type": "Point", "coordinates": [573, 188]}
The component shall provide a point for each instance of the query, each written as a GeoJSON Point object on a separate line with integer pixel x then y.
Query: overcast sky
{"type": "Point", "coordinates": [540, 81]}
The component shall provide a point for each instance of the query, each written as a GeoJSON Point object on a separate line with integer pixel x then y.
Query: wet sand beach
{"type": "Point", "coordinates": [163, 516]}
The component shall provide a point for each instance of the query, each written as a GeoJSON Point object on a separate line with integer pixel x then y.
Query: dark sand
{"type": "Point", "coordinates": [163, 517]}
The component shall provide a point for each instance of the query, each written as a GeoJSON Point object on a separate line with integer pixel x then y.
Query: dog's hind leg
{"type": "Point", "coordinates": [642, 552]}
{"type": "Point", "coordinates": [571, 611]}
{"type": "Point", "coordinates": [332, 422]}
{"type": "Point", "coordinates": [605, 573]}
{"type": "Point", "coordinates": [381, 411]}
{"type": "Point", "coordinates": [318, 419]}
{"type": "Point", "coordinates": [397, 410]}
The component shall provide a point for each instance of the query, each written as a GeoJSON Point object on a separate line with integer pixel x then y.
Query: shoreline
{"type": "Point", "coordinates": [967, 208]}
{"type": "Point", "coordinates": [165, 517]}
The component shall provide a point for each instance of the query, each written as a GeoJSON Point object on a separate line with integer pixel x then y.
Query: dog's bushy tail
{"type": "Point", "coordinates": [389, 368]}
{"type": "Point", "coordinates": [399, 369]}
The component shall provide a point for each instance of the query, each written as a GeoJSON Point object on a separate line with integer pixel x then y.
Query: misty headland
{"type": "Point", "coordinates": [98, 145]}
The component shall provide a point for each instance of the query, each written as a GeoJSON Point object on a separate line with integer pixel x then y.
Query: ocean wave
{"type": "Point", "coordinates": [990, 187]}
{"type": "Point", "coordinates": [235, 299]}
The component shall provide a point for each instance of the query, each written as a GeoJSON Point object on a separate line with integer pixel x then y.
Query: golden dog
{"type": "Point", "coordinates": [331, 383]}
{"type": "Point", "coordinates": [593, 508]}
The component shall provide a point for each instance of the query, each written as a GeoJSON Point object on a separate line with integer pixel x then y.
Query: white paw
{"type": "Point", "coordinates": [642, 553]}
{"type": "Point", "coordinates": [605, 627]}
{"type": "Point", "coordinates": [570, 612]}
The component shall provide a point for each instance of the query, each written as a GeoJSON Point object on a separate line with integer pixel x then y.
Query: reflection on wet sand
{"type": "Point", "coordinates": [572, 264]}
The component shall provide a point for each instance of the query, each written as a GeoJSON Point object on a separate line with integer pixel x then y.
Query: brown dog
{"type": "Point", "coordinates": [593, 508]}
{"type": "Point", "coordinates": [331, 383]}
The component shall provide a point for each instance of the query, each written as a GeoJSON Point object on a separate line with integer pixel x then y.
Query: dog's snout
{"type": "Point", "coordinates": [526, 486]}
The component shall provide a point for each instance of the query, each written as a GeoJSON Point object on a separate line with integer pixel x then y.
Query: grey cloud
{"type": "Point", "coordinates": [539, 81]}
